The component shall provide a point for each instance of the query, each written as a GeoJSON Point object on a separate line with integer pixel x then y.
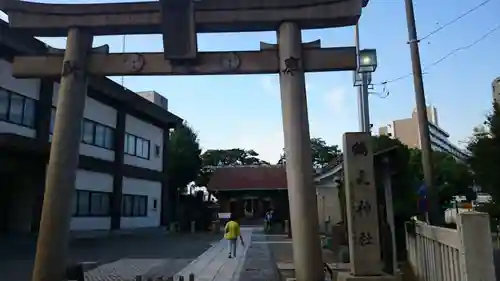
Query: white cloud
{"type": "Point", "coordinates": [265, 139]}
{"type": "Point", "coordinates": [336, 100]}
{"type": "Point", "coordinates": [267, 142]}
{"type": "Point", "coordinates": [270, 85]}
{"type": "Point", "coordinates": [4, 17]}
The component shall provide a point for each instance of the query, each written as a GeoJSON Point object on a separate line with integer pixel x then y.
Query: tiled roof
{"type": "Point", "coordinates": [248, 177]}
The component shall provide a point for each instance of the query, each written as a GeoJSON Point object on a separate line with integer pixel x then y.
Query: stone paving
{"type": "Point", "coordinates": [121, 258]}
{"type": "Point", "coordinates": [259, 263]}
{"type": "Point", "coordinates": [124, 258]}
{"type": "Point", "coordinates": [214, 264]}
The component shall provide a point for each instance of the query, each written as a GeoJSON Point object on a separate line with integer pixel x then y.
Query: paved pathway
{"type": "Point", "coordinates": [121, 258]}
{"type": "Point", "coordinates": [214, 264]}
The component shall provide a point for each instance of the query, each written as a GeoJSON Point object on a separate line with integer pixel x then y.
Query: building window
{"type": "Point", "coordinates": [97, 134]}
{"type": "Point", "coordinates": [17, 109]}
{"type": "Point", "coordinates": [134, 205]}
{"type": "Point", "coordinates": [93, 133]}
{"type": "Point", "coordinates": [136, 146]}
{"type": "Point", "coordinates": [91, 203]}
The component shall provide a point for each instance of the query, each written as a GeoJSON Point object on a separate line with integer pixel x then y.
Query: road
{"type": "Point", "coordinates": [122, 257]}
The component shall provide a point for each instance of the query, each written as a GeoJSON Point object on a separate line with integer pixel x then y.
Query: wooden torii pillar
{"type": "Point", "coordinates": [179, 21]}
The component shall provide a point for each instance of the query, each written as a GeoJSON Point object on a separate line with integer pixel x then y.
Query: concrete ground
{"type": "Point", "coordinates": [282, 253]}
{"type": "Point", "coordinates": [121, 257]}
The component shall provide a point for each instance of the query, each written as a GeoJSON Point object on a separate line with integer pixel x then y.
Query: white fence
{"type": "Point", "coordinates": [442, 254]}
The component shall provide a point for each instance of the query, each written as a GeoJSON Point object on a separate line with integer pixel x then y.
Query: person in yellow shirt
{"type": "Point", "coordinates": [232, 232]}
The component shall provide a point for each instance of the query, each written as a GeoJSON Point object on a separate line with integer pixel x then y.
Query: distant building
{"type": "Point", "coordinates": [155, 98]}
{"type": "Point", "coordinates": [249, 191]}
{"type": "Point", "coordinates": [496, 90]}
{"type": "Point", "coordinates": [406, 130]}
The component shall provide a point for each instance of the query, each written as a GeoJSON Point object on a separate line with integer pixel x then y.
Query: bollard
{"type": "Point", "coordinates": [191, 277]}
{"type": "Point", "coordinates": [193, 226]}
{"type": "Point", "coordinates": [287, 228]}
{"type": "Point", "coordinates": [75, 272]}
{"type": "Point", "coordinates": [216, 227]}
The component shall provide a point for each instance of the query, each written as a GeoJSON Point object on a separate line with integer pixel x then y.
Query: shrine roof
{"type": "Point", "coordinates": [337, 164]}
{"type": "Point", "coordinates": [248, 178]}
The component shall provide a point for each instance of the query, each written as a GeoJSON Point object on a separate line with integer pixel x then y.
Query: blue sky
{"type": "Point", "coordinates": [244, 111]}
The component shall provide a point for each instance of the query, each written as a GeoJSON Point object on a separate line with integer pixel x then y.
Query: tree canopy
{"type": "Point", "coordinates": [451, 176]}
{"type": "Point", "coordinates": [322, 153]}
{"type": "Point", "coordinates": [214, 158]}
{"type": "Point", "coordinates": [484, 147]}
{"type": "Point", "coordinates": [184, 156]}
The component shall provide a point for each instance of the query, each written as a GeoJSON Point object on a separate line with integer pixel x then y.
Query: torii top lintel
{"type": "Point", "coordinates": [179, 20]}
{"type": "Point", "coordinates": [53, 20]}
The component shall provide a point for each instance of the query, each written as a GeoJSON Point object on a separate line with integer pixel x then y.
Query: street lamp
{"type": "Point", "coordinates": [358, 78]}
{"type": "Point", "coordinates": [367, 64]}
{"type": "Point", "coordinates": [367, 61]}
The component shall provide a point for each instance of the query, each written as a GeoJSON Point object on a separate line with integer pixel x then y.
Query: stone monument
{"type": "Point", "coordinates": [362, 210]}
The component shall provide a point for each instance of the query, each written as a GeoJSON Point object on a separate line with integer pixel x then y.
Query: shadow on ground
{"type": "Point", "coordinates": [17, 254]}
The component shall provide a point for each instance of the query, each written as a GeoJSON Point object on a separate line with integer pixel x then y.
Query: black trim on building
{"type": "Point", "coordinates": [116, 201]}
{"type": "Point", "coordinates": [43, 111]}
{"type": "Point", "coordinates": [168, 207]}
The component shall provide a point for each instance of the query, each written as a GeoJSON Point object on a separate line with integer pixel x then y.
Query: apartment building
{"type": "Point", "coordinates": [121, 181]}
{"type": "Point", "coordinates": [496, 90]}
{"type": "Point", "coordinates": [406, 130]}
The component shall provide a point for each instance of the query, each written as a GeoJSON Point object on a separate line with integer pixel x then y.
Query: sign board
{"type": "Point", "coordinates": [224, 215]}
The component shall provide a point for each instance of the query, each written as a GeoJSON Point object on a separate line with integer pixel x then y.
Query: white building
{"type": "Point", "coordinates": [121, 181]}
{"type": "Point", "coordinates": [406, 130]}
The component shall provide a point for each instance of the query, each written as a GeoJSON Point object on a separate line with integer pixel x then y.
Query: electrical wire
{"type": "Point", "coordinates": [443, 58]}
{"type": "Point", "coordinates": [455, 20]}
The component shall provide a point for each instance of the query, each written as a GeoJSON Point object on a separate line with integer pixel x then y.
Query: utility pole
{"type": "Point", "coordinates": [363, 107]}
{"type": "Point", "coordinates": [433, 213]}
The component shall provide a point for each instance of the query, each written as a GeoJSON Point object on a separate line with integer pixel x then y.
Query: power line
{"type": "Point", "coordinates": [443, 58]}
{"type": "Point", "coordinates": [455, 20]}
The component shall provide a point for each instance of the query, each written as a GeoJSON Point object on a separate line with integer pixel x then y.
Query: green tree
{"type": "Point", "coordinates": [214, 158]}
{"type": "Point", "coordinates": [403, 191]}
{"type": "Point", "coordinates": [484, 147]}
{"type": "Point", "coordinates": [184, 156]}
{"type": "Point", "coordinates": [322, 153]}
{"type": "Point", "coordinates": [451, 176]}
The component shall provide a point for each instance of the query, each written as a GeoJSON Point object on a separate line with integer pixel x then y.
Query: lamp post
{"type": "Point", "coordinates": [362, 78]}
{"type": "Point", "coordinates": [367, 64]}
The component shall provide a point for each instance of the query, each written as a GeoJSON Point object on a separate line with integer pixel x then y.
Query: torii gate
{"type": "Point", "coordinates": [179, 21]}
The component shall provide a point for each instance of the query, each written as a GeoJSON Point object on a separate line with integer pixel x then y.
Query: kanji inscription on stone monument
{"type": "Point", "coordinates": [361, 198]}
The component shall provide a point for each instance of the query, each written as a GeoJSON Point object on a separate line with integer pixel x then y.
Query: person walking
{"type": "Point", "coordinates": [232, 232]}
{"type": "Point", "coordinates": [267, 221]}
